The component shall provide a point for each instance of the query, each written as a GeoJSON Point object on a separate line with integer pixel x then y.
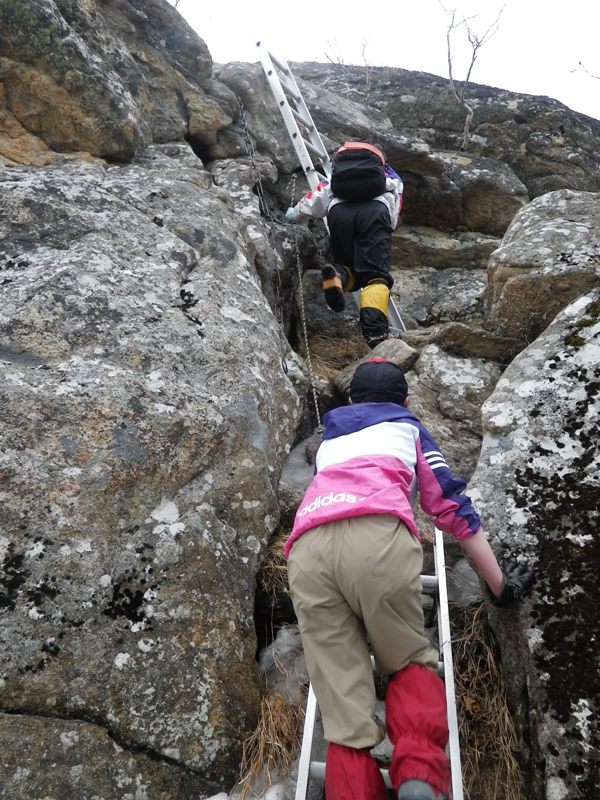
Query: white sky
{"type": "Point", "coordinates": [536, 50]}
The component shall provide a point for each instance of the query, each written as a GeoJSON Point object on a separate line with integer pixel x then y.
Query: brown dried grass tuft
{"type": "Point", "coordinates": [488, 739]}
{"type": "Point", "coordinates": [269, 751]}
{"type": "Point", "coordinates": [330, 355]}
{"type": "Point", "coordinates": [274, 744]}
{"type": "Point", "coordinates": [273, 571]}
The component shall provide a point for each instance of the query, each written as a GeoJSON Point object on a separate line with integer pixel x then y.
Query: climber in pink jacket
{"type": "Point", "coordinates": [354, 566]}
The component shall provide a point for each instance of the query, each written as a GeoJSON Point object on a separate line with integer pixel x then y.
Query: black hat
{"type": "Point", "coordinates": [378, 381]}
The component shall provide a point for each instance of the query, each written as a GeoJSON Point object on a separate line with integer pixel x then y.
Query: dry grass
{"type": "Point", "coordinates": [330, 355]}
{"type": "Point", "coordinates": [270, 750]}
{"type": "Point", "coordinates": [273, 572]}
{"type": "Point", "coordinates": [272, 747]}
{"type": "Point", "coordinates": [488, 740]}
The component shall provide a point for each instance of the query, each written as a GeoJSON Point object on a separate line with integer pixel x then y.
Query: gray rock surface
{"type": "Point", "coordinates": [549, 255]}
{"type": "Point", "coordinates": [141, 448]}
{"type": "Point", "coordinates": [537, 482]}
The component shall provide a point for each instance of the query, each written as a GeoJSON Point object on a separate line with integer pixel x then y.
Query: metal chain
{"type": "Point", "coordinates": [255, 171]}
{"type": "Point", "coordinates": [313, 384]}
{"type": "Point", "coordinates": [266, 214]}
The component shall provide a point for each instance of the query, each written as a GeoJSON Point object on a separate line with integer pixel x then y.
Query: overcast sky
{"type": "Point", "coordinates": [537, 48]}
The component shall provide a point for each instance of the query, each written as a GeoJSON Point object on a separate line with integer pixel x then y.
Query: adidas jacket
{"type": "Point", "coordinates": [372, 460]}
{"type": "Point", "coordinates": [318, 201]}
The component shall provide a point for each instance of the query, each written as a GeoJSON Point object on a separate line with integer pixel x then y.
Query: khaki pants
{"type": "Point", "coordinates": [356, 582]}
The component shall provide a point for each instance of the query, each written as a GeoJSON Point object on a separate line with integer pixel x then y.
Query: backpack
{"type": "Point", "coordinates": [358, 172]}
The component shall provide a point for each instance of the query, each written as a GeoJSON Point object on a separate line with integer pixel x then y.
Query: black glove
{"type": "Point", "coordinates": [518, 579]}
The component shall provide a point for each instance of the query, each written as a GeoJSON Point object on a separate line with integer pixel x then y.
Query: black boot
{"type": "Point", "coordinates": [374, 325]}
{"type": "Point", "coordinates": [333, 288]}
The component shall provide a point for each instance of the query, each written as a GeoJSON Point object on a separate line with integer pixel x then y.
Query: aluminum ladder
{"type": "Point", "coordinates": [434, 585]}
{"type": "Point", "coordinates": [305, 137]}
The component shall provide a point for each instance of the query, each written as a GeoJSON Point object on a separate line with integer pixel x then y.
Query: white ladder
{"type": "Point", "coordinates": [434, 585]}
{"type": "Point", "coordinates": [305, 137]}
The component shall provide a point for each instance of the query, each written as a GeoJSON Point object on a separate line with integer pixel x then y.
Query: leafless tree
{"type": "Point", "coordinates": [334, 58]}
{"type": "Point", "coordinates": [368, 72]}
{"type": "Point", "coordinates": [476, 42]}
{"type": "Point", "coordinates": [582, 68]}
{"type": "Point", "coordinates": [334, 54]}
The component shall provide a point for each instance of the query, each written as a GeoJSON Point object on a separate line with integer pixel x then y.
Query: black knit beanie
{"type": "Point", "coordinates": [378, 381]}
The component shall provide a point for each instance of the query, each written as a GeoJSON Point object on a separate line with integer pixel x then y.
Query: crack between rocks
{"type": "Point", "coordinates": [125, 744]}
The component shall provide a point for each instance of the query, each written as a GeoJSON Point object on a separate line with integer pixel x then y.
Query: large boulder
{"type": "Point", "coordinates": [50, 757]}
{"type": "Point", "coordinates": [105, 77]}
{"type": "Point", "coordinates": [537, 485]}
{"type": "Point", "coordinates": [142, 443]}
{"type": "Point", "coordinates": [547, 145]}
{"type": "Point", "coordinates": [446, 392]}
{"type": "Point", "coordinates": [417, 246]}
{"type": "Point", "coordinates": [428, 296]}
{"type": "Point", "coordinates": [549, 255]}
{"type": "Point", "coordinates": [491, 192]}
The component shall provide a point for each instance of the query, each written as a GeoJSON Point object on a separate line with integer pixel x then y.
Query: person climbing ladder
{"type": "Point", "coordinates": [354, 563]}
{"type": "Point", "coordinates": [362, 205]}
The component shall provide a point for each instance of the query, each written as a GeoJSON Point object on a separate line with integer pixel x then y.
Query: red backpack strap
{"type": "Point", "coordinates": [360, 146]}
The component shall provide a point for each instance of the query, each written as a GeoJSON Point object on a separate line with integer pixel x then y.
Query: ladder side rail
{"type": "Point", "coordinates": [289, 121]}
{"type": "Point", "coordinates": [314, 135]}
{"type": "Point", "coordinates": [302, 109]}
{"type": "Point", "coordinates": [394, 316]}
{"type": "Point", "coordinates": [445, 646]}
{"type": "Point", "coordinates": [304, 763]}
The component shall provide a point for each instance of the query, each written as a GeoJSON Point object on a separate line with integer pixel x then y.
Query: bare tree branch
{"type": "Point", "coordinates": [368, 72]}
{"type": "Point", "coordinates": [582, 68]}
{"type": "Point", "coordinates": [335, 57]}
{"type": "Point", "coordinates": [476, 42]}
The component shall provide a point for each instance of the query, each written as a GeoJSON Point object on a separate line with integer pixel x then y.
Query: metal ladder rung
{"type": "Point", "coordinates": [289, 93]}
{"type": "Point", "coordinates": [312, 148]}
{"type": "Point", "coordinates": [429, 584]}
{"type": "Point", "coordinates": [280, 65]}
{"type": "Point", "coordinates": [306, 122]}
{"type": "Point", "coordinates": [289, 90]}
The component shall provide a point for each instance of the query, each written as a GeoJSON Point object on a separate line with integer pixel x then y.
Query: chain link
{"type": "Point", "coordinates": [265, 216]}
{"type": "Point", "coordinates": [313, 384]}
{"type": "Point", "coordinates": [255, 171]}
{"type": "Point", "coordinates": [276, 283]}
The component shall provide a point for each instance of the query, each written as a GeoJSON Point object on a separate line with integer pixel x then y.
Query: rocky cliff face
{"type": "Point", "coordinates": [154, 379]}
